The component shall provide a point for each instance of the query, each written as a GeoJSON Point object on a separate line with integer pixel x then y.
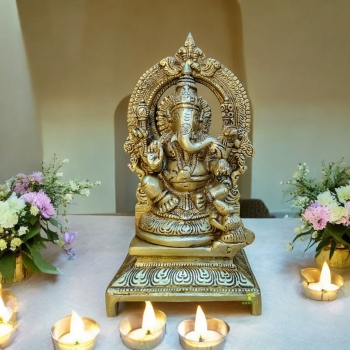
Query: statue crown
{"type": "Point", "coordinates": [186, 90]}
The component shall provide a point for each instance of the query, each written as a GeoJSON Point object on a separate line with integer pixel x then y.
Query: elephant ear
{"type": "Point", "coordinates": [205, 115]}
{"type": "Point", "coordinates": [163, 115]}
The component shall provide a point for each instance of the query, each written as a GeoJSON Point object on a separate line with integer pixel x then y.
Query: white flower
{"type": "Point", "coordinates": [97, 183]}
{"type": "Point", "coordinates": [289, 247]}
{"type": "Point", "coordinates": [326, 198]}
{"type": "Point", "coordinates": [16, 242]}
{"type": "Point", "coordinates": [8, 218]}
{"type": "Point", "coordinates": [297, 230]}
{"type": "Point", "coordinates": [73, 185]}
{"type": "Point", "coordinates": [15, 204]}
{"type": "Point", "coordinates": [343, 193]}
{"type": "Point", "coordinates": [34, 210]}
{"type": "Point", "coordinates": [85, 192]}
{"type": "Point", "coordinates": [65, 161]}
{"type": "Point", "coordinates": [336, 212]}
{"type": "Point", "coordinates": [22, 230]}
{"type": "Point", "coordinates": [314, 234]}
{"type": "Point", "coordinates": [59, 174]}
{"type": "Point", "coordinates": [3, 244]}
{"type": "Point", "coordinates": [286, 217]}
{"type": "Point", "coordinates": [68, 197]}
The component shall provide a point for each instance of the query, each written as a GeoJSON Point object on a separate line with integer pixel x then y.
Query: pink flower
{"type": "Point", "coordinates": [21, 184]}
{"type": "Point", "coordinates": [41, 201]}
{"type": "Point", "coordinates": [345, 220]}
{"type": "Point", "coordinates": [317, 215]}
{"type": "Point", "coordinates": [37, 177]}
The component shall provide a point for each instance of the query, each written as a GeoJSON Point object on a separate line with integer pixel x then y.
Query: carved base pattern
{"type": "Point", "coordinates": [153, 278]}
{"type": "Point", "coordinates": [164, 226]}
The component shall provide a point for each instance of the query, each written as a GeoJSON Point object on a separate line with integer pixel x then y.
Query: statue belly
{"type": "Point", "coordinates": [189, 186]}
{"type": "Point", "coordinates": [186, 180]}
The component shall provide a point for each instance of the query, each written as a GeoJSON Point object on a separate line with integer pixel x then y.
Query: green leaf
{"type": "Point", "coordinates": [337, 231]}
{"type": "Point", "coordinates": [41, 263]}
{"type": "Point", "coordinates": [51, 235]}
{"type": "Point", "coordinates": [301, 234]}
{"type": "Point", "coordinates": [333, 246]}
{"type": "Point", "coordinates": [38, 242]}
{"type": "Point", "coordinates": [33, 220]}
{"type": "Point", "coordinates": [29, 263]}
{"type": "Point", "coordinates": [323, 243]}
{"type": "Point", "coordinates": [311, 243]}
{"type": "Point", "coordinates": [32, 232]}
{"type": "Point", "coordinates": [55, 222]}
{"type": "Point", "coordinates": [7, 265]}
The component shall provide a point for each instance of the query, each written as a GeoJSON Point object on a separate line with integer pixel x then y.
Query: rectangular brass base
{"type": "Point", "coordinates": [184, 279]}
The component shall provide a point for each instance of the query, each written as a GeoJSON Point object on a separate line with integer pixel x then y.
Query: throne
{"type": "Point", "coordinates": [189, 236]}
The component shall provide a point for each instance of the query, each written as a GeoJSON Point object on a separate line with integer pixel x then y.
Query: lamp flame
{"type": "Point", "coordinates": [149, 321]}
{"type": "Point", "coordinates": [5, 312]}
{"type": "Point", "coordinates": [200, 324]}
{"type": "Point", "coordinates": [325, 277]}
{"type": "Point", "coordinates": [76, 327]}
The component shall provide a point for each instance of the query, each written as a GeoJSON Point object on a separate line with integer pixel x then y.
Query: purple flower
{"type": "Point", "coordinates": [41, 201]}
{"type": "Point", "coordinates": [317, 215]}
{"type": "Point", "coordinates": [21, 184]}
{"type": "Point", "coordinates": [69, 236]}
{"type": "Point", "coordinates": [37, 177]}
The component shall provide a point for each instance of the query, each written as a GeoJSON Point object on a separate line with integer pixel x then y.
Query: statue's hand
{"type": "Point", "coordinates": [140, 132]}
{"type": "Point", "coordinates": [217, 148]}
{"type": "Point", "coordinates": [221, 167]}
{"type": "Point", "coordinates": [155, 155]}
{"type": "Point", "coordinates": [229, 132]}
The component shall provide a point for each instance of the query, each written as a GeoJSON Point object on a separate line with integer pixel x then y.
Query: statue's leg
{"type": "Point", "coordinates": [154, 189]}
{"type": "Point", "coordinates": [219, 191]}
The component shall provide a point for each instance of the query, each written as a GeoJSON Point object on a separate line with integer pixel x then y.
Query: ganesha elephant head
{"type": "Point", "coordinates": [187, 117]}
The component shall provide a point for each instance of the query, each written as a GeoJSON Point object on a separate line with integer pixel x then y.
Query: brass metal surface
{"type": "Point", "coordinates": [213, 324]}
{"type": "Point", "coordinates": [21, 273]}
{"type": "Point", "coordinates": [189, 235]}
{"type": "Point", "coordinates": [179, 280]}
{"type": "Point", "coordinates": [188, 194]}
{"type": "Point", "coordinates": [340, 258]}
{"type": "Point", "coordinates": [7, 339]}
{"type": "Point", "coordinates": [134, 321]}
{"type": "Point", "coordinates": [312, 275]}
{"type": "Point", "coordinates": [62, 327]}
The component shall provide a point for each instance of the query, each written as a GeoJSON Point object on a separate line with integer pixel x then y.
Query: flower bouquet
{"type": "Point", "coordinates": [324, 206]}
{"type": "Point", "coordinates": [33, 212]}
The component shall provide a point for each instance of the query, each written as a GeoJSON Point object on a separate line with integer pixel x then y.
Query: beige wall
{"type": "Point", "coordinates": [20, 134]}
{"type": "Point", "coordinates": [297, 56]}
{"type": "Point", "coordinates": [86, 56]}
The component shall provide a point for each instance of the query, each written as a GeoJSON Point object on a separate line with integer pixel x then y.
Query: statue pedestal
{"type": "Point", "coordinates": [212, 273]}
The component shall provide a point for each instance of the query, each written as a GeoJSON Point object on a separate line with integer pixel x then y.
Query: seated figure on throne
{"type": "Point", "coordinates": [187, 178]}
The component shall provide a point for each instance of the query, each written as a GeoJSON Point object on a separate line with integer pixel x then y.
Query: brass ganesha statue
{"type": "Point", "coordinates": [188, 194]}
